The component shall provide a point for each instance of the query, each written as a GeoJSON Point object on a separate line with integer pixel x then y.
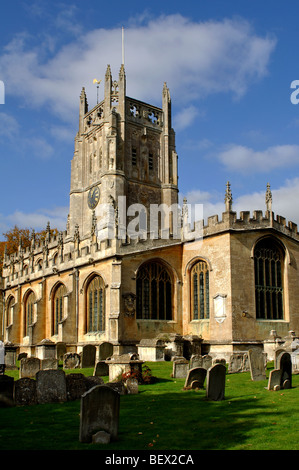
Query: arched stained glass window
{"type": "Point", "coordinates": [200, 302]}
{"type": "Point", "coordinates": [268, 267]}
{"type": "Point", "coordinates": [154, 292]}
{"type": "Point", "coordinates": [95, 311]}
{"type": "Point", "coordinates": [29, 311]}
{"type": "Point", "coordinates": [58, 307]}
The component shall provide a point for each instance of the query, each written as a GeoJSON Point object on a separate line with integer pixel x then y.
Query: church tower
{"type": "Point", "coordinates": [123, 148]}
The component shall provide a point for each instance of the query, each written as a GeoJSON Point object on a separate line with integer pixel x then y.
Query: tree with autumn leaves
{"type": "Point", "coordinates": [16, 235]}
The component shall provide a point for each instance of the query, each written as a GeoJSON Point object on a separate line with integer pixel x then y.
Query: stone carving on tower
{"type": "Point", "coordinates": [228, 198]}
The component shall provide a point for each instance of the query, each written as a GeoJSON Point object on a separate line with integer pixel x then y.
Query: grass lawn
{"type": "Point", "coordinates": [163, 416]}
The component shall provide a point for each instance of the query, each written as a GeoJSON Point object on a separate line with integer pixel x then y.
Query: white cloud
{"type": "Point", "coordinates": [9, 126]}
{"type": "Point", "coordinates": [194, 58]}
{"type": "Point", "coordinates": [184, 118]}
{"type": "Point", "coordinates": [244, 159]}
{"type": "Point", "coordinates": [37, 220]}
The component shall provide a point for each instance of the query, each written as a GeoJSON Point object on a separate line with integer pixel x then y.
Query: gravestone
{"type": "Point", "coordinates": [71, 360]}
{"type": "Point", "coordinates": [2, 359]}
{"type": "Point", "coordinates": [295, 361]}
{"type": "Point", "coordinates": [132, 386]}
{"type": "Point", "coordinates": [277, 353]}
{"type": "Point", "coordinates": [101, 369]}
{"type": "Point", "coordinates": [195, 361]}
{"type": "Point", "coordinates": [6, 391]}
{"type": "Point", "coordinates": [216, 382]}
{"type": "Point", "coordinates": [118, 387]}
{"type": "Point", "coordinates": [257, 364]}
{"type": "Point", "coordinates": [206, 361]}
{"type": "Point", "coordinates": [22, 355]}
{"type": "Point", "coordinates": [92, 381]}
{"type": "Point", "coordinates": [10, 356]}
{"type": "Point", "coordinates": [99, 412]}
{"type": "Point", "coordinates": [88, 355]}
{"type": "Point", "coordinates": [60, 350]}
{"type": "Point", "coordinates": [25, 391]}
{"type": "Point", "coordinates": [49, 363]}
{"type": "Point", "coordinates": [105, 350]}
{"type": "Point", "coordinates": [29, 366]}
{"type": "Point", "coordinates": [197, 374]}
{"type": "Point", "coordinates": [75, 386]}
{"type": "Point", "coordinates": [274, 379]}
{"type": "Point", "coordinates": [180, 368]}
{"type": "Point", "coordinates": [238, 362]}
{"type": "Point", "coordinates": [285, 365]}
{"type": "Point", "coordinates": [51, 386]}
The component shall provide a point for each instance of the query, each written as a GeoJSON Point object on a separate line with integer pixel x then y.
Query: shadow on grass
{"type": "Point", "coordinates": [163, 416]}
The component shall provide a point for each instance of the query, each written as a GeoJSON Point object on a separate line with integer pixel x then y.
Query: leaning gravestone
{"type": "Point", "coordinates": [101, 369]}
{"type": "Point", "coordinates": [88, 355]}
{"type": "Point", "coordinates": [285, 365]}
{"type": "Point", "coordinates": [99, 412]}
{"type": "Point", "coordinates": [29, 366]}
{"type": "Point", "coordinates": [51, 386]}
{"type": "Point", "coordinates": [216, 382]}
{"type": "Point", "coordinates": [197, 374]}
{"type": "Point", "coordinates": [25, 391]}
{"type": "Point", "coordinates": [274, 379]}
{"type": "Point", "coordinates": [257, 365]}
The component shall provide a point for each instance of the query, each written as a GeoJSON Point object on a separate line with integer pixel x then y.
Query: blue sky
{"type": "Point", "coordinates": [229, 66]}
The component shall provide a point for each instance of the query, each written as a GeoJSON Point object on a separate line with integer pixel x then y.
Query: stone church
{"type": "Point", "coordinates": [227, 285]}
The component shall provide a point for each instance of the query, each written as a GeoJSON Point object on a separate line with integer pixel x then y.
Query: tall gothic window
{"type": "Point", "coordinates": [154, 292]}
{"type": "Point", "coordinates": [268, 266]}
{"type": "Point", "coordinates": [58, 307]}
{"type": "Point", "coordinates": [9, 310]}
{"type": "Point", "coordinates": [95, 296]}
{"type": "Point", "coordinates": [200, 302]}
{"type": "Point", "coordinates": [29, 311]}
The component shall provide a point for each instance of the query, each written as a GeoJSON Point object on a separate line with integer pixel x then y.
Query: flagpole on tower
{"type": "Point", "coordinates": [123, 45]}
{"type": "Point", "coordinates": [98, 83]}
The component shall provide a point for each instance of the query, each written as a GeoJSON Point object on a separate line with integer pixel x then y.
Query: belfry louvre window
{"type": "Point", "coordinates": [154, 292]}
{"type": "Point", "coordinates": [95, 296]}
{"type": "Point", "coordinates": [29, 311]}
{"type": "Point", "coordinates": [200, 302]}
{"type": "Point", "coordinates": [268, 266]}
{"type": "Point", "coordinates": [134, 156]}
{"type": "Point", "coordinates": [58, 307]}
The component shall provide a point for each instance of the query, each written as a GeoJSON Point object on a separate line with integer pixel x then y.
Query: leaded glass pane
{"type": "Point", "coordinates": [268, 262]}
{"type": "Point", "coordinates": [154, 292]}
{"type": "Point", "coordinates": [200, 291]}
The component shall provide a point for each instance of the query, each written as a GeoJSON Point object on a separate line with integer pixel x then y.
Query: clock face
{"type": "Point", "coordinates": [93, 197]}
